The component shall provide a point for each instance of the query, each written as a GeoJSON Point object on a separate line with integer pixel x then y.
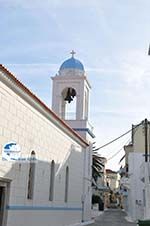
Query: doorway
{"type": "Point", "coordinates": [2, 204]}
{"type": "Point", "coordinates": [4, 197]}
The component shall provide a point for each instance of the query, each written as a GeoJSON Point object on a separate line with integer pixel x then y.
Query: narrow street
{"type": "Point", "coordinates": [112, 217]}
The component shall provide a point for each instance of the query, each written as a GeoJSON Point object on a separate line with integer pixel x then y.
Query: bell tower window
{"type": "Point", "coordinates": [68, 106]}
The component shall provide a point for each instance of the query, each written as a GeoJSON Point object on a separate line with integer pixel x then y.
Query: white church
{"type": "Point", "coordinates": [46, 155]}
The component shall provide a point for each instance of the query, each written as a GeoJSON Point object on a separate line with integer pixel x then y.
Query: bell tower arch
{"type": "Point", "coordinates": [70, 98]}
{"type": "Point", "coordinates": [68, 104]}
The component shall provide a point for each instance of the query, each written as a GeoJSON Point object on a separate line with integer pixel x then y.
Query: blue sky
{"type": "Point", "coordinates": [110, 38]}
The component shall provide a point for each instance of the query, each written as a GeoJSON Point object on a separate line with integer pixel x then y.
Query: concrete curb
{"type": "Point", "coordinates": [128, 219]}
{"type": "Point", "coordinates": [88, 222]}
{"type": "Point", "coordinates": [83, 223]}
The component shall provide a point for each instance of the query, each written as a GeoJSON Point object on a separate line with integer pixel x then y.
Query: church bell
{"type": "Point", "coordinates": [68, 96]}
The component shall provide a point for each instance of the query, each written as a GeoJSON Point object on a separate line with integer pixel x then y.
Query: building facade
{"type": "Point", "coordinates": [112, 178]}
{"type": "Point", "coordinates": [46, 181]}
{"type": "Point", "coordinates": [134, 182]}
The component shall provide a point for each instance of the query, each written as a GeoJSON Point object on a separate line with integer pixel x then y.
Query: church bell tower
{"type": "Point", "coordinates": [70, 98]}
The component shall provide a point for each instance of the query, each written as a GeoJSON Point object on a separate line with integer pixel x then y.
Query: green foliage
{"type": "Point", "coordinates": [97, 165]}
{"type": "Point", "coordinates": [95, 199]}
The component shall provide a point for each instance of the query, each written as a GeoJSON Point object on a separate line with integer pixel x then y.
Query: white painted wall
{"type": "Point", "coordinates": [145, 177]}
{"type": "Point", "coordinates": [136, 186]}
{"type": "Point", "coordinates": [23, 123]}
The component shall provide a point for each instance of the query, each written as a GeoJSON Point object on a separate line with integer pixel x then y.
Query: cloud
{"type": "Point", "coordinates": [109, 37]}
{"type": "Point", "coordinates": [50, 3]}
{"type": "Point", "coordinates": [136, 64]}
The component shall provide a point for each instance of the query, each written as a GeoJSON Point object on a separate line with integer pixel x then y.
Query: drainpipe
{"type": "Point", "coordinates": [146, 169]}
{"type": "Point", "coordinates": [84, 185]}
{"type": "Point", "coordinates": [146, 141]}
{"type": "Point", "coordinates": [86, 196]}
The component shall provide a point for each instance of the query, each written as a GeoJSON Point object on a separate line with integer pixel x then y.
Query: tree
{"type": "Point", "coordinates": [97, 165]}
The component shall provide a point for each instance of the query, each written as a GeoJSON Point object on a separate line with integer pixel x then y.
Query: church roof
{"type": "Point", "coordinates": [35, 98]}
{"type": "Point", "coordinates": [72, 63]}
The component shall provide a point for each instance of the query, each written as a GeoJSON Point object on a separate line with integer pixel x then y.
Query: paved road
{"type": "Point", "coordinates": [112, 217]}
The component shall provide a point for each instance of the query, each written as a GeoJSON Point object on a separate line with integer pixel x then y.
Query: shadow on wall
{"type": "Point", "coordinates": [42, 193]}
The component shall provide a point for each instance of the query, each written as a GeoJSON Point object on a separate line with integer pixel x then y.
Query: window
{"type": "Point", "coordinates": [66, 184]}
{"type": "Point", "coordinates": [68, 104]}
{"type": "Point", "coordinates": [52, 178]}
{"type": "Point", "coordinates": [31, 176]}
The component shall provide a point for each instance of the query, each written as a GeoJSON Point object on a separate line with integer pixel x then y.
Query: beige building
{"type": "Point", "coordinates": [137, 143]}
{"type": "Point", "coordinates": [112, 178]}
{"type": "Point", "coordinates": [133, 182]}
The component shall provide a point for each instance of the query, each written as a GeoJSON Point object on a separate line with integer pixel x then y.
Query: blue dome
{"type": "Point", "coordinates": [72, 63]}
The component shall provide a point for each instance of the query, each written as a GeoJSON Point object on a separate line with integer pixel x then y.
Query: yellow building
{"type": "Point", "coordinates": [112, 179]}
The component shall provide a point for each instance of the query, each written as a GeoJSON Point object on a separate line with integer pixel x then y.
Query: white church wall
{"type": "Point", "coordinates": [22, 123]}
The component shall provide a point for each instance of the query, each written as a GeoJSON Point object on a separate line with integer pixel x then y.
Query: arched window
{"type": "Point", "coordinates": [52, 180]}
{"type": "Point", "coordinates": [31, 176]}
{"type": "Point", "coordinates": [68, 105]}
{"type": "Point", "coordinates": [66, 184]}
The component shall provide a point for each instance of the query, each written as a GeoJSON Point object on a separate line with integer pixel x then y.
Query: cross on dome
{"type": "Point", "coordinates": [72, 63]}
{"type": "Point", "coordinates": [72, 53]}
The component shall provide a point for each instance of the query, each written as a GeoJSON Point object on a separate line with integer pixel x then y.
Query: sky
{"type": "Point", "coordinates": [110, 38]}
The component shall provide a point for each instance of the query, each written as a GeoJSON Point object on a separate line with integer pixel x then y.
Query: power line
{"type": "Point", "coordinates": [134, 131]}
{"type": "Point", "coordinates": [110, 142]}
{"type": "Point", "coordinates": [114, 155]}
{"type": "Point", "coordinates": [121, 144]}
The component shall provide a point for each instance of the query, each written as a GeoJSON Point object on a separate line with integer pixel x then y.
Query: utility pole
{"type": "Point", "coordinates": [146, 140]}
{"type": "Point", "coordinates": [146, 168]}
